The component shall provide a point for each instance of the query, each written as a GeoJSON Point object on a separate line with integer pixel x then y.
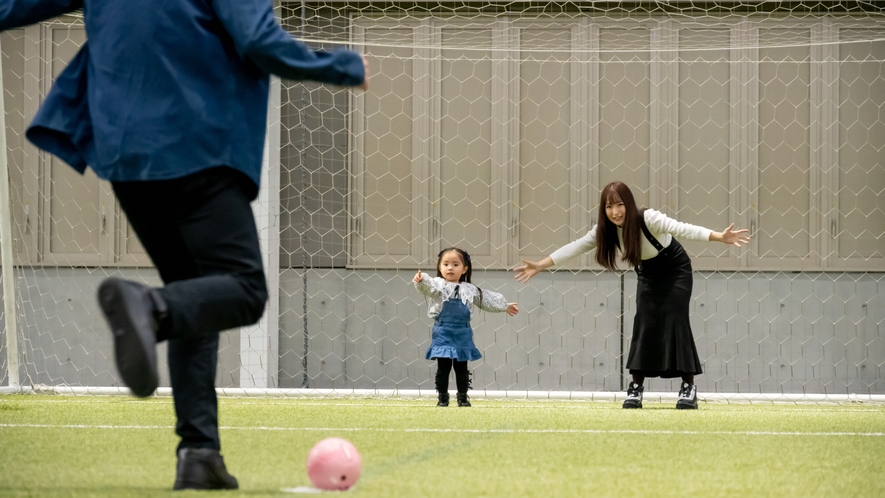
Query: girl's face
{"type": "Point", "coordinates": [451, 267]}
{"type": "Point", "coordinates": [615, 209]}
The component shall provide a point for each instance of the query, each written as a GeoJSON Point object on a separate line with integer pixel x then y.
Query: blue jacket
{"type": "Point", "coordinates": [165, 89]}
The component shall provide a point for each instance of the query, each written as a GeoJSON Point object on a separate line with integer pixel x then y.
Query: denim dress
{"type": "Point", "coordinates": [452, 336]}
{"type": "Point", "coordinates": [451, 306]}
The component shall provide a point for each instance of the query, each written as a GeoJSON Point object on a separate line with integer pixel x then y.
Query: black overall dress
{"type": "Point", "coordinates": [663, 344]}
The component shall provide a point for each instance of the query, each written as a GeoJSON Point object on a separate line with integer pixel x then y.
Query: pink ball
{"type": "Point", "coordinates": [334, 464]}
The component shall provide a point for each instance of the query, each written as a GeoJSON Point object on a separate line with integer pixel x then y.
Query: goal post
{"type": "Point", "coordinates": [492, 127]}
{"type": "Point", "coordinates": [6, 264]}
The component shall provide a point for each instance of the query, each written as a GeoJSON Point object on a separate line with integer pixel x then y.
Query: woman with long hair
{"type": "Point", "coordinates": [663, 344]}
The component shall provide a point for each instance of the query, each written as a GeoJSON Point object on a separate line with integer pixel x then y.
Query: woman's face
{"type": "Point", "coordinates": [615, 209]}
{"type": "Point", "coordinates": [451, 267]}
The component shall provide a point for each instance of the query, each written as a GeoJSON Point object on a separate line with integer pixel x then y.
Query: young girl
{"type": "Point", "coordinates": [663, 344]}
{"type": "Point", "coordinates": [452, 299]}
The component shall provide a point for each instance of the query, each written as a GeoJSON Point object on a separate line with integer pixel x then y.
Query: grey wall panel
{"type": "Point", "coordinates": [755, 332]}
{"type": "Point", "coordinates": [66, 340]}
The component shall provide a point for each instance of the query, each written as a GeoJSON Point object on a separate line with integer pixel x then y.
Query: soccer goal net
{"type": "Point", "coordinates": [492, 126]}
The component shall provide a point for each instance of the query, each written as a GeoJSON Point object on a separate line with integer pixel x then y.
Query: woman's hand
{"type": "Point", "coordinates": [529, 269]}
{"type": "Point", "coordinates": [734, 237]}
{"type": "Point", "coordinates": [418, 277]}
{"type": "Point", "coordinates": [512, 309]}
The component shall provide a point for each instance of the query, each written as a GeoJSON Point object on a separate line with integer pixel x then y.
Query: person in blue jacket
{"type": "Point", "coordinates": [168, 102]}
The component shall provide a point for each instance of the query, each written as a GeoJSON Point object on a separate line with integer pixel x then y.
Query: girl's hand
{"type": "Point", "coordinates": [418, 277]}
{"type": "Point", "coordinates": [512, 309]}
{"type": "Point", "coordinates": [735, 237]}
{"type": "Point", "coordinates": [528, 270]}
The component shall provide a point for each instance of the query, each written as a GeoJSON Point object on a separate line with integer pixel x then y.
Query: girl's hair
{"type": "Point", "coordinates": [607, 243]}
{"type": "Point", "coordinates": [465, 260]}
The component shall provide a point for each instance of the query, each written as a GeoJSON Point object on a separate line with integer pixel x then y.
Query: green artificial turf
{"type": "Point", "coordinates": [118, 446]}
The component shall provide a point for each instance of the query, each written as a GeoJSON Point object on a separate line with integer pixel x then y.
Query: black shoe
{"type": "Point", "coordinates": [688, 397]}
{"type": "Point", "coordinates": [133, 312]}
{"type": "Point", "coordinates": [202, 468]}
{"type": "Point", "coordinates": [634, 396]}
{"type": "Point", "coordinates": [463, 400]}
{"type": "Point", "coordinates": [443, 399]}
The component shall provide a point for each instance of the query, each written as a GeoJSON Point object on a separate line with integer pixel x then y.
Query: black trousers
{"type": "Point", "coordinates": [200, 233]}
{"type": "Point", "coordinates": [444, 368]}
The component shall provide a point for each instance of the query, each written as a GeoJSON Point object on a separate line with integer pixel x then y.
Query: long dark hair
{"type": "Point", "coordinates": [465, 260]}
{"type": "Point", "coordinates": [607, 243]}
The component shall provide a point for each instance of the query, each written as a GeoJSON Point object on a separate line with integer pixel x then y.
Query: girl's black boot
{"type": "Point", "coordinates": [463, 400]}
{"type": "Point", "coordinates": [443, 399]}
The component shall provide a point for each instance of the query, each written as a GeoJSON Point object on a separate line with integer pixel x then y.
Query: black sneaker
{"type": "Point", "coordinates": [634, 396]}
{"type": "Point", "coordinates": [463, 400]}
{"type": "Point", "coordinates": [133, 312]}
{"type": "Point", "coordinates": [688, 397]}
{"type": "Point", "coordinates": [443, 399]}
{"type": "Point", "coordinates": [202, 468]}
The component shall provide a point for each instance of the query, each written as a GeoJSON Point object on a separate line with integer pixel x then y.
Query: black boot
{"type": "Point", "coordinates": [443, 399]}
{"type": "Point", "coordinates": [634, 396]}
{"type": "Point", "coordinates": [462, 378]}
{"type": "Point", "coordinates": [134, 312]}
{"type": "Point", "coordinates": [688, 397]}
{"type": "Point", "coordinates": [202, 468]}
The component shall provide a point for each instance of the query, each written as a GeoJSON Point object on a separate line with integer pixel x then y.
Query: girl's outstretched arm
{"type": "Point", "coordinates": [731, 237]}
{"type": "Point", "coordinates": [529, 269]}
{"type": "Point", "coordinates": [426, 284]}
{"type": "Point", "coordinates": [495, 302]}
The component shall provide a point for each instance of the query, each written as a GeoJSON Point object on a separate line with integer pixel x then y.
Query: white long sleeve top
{"type": "Point", "coordinates": [438, 291]}
{"type": "Point", "coordinates": [660, 225]}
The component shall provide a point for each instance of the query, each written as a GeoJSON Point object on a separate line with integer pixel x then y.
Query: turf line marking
{"type": "Point", "coordinates": [84, 426]}
{"type": "Point", "coordinates": [462, 431]}
{"type": "Point", "coordinates": [493, 405]}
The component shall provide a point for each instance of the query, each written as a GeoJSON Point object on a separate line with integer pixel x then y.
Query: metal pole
{"type": "Point", "coordinates": [6, 263]}
{"type": "Point", "coordinates": [305, 379]}
{"type": "Point", "coordinates": [621, 331]}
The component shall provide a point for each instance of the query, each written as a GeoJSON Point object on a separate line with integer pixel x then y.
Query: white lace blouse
{"type": "Point", "coordinates": [438, 291]}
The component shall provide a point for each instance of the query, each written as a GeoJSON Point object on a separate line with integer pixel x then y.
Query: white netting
{"type": "Point", "coordinates": [492, 126]}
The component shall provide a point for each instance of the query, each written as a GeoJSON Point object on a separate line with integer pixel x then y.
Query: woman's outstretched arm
{"type": "Point", "coordinates": [529, 269]}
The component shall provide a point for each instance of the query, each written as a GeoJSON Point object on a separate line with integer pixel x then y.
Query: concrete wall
{"type": "Point", "coordinates": [755, 332]}
{"type": "Point", "coordinates": [64, 339]}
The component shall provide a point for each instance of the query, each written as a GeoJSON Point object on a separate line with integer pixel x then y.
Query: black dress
{"type": "Point", "coordinates": [663, 345]}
